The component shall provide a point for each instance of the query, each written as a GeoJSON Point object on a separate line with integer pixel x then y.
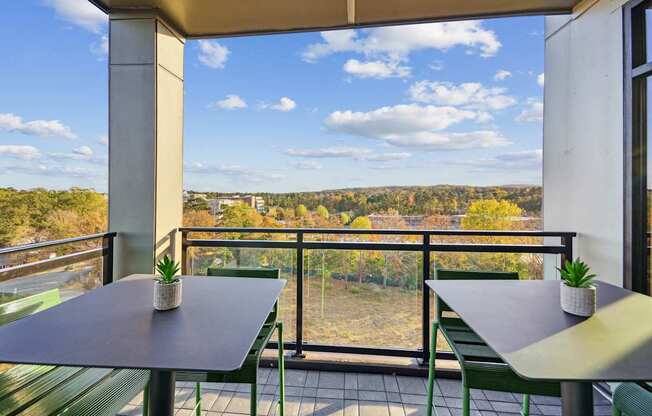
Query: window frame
{"type": "Point", "coordinates": [635, 74]}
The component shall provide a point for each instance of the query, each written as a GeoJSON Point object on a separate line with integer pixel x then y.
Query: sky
{"type": "Point", "coordinates": [441, 103]}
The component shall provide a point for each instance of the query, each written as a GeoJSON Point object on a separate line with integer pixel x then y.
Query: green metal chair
{"type": "Point", "coordinates": [249, 371]}
{"type": "Point", "coordinates": [39, 390]}
{"type": "Point", "coordinates": [481, 366]}
{"type": "Point", "coordinates": [632, 399]}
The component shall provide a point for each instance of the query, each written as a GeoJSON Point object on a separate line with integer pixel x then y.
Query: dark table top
{"type": "Point", "coordinates": [523, 322]}
{"type": "Point", "coordinates": [116, 326]}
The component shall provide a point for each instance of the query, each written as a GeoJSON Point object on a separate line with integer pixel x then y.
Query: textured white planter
{"type": "Point", "coordinates": [578, 301]}
{"type": "Point", "coordinates": [167, 296]}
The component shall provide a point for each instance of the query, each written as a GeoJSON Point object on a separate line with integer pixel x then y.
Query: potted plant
{"type": "Point", "coordinates": [167, 286]}
{"type": "Point", "coordinates": [578, 294]}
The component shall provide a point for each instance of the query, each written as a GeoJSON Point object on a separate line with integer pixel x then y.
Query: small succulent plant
{"type": "Point", "coordinates": [576, 274]}
{"type": "Point", "coordinates": [167, 270]}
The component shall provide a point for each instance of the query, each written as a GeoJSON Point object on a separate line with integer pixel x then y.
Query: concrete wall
{"type": "Point", "coordinates": [583, 133]}
{"type": "Point", "coordinates": [145, 140]}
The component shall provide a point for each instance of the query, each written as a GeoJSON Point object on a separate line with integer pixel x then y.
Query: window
{"type": "Point", "coordinates": [638, 189]}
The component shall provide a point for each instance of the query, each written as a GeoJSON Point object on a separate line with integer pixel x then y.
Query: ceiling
{"type": "Point", "coordinates": [214, 18]}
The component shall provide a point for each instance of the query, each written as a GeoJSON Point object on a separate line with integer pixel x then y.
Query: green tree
{"type": "Point", "coordinates": [240, 215]}
{"type": "Point", "coordinates": [300, 211]}
{"type": "Point", "coordinates": [322, 212]}
{"type": "Point", "coordinates": [490, 214]}
{"type": "Point", "coordinates": [361, 223]}
{"type": "Point", "coordinates": [344, 218]}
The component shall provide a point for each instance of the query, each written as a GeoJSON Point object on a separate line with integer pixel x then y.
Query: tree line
{"type": "Point", "coordinates": [407, 200]}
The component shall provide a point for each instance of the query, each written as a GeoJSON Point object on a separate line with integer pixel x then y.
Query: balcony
{"type": "Point", "coordinates": [339, 363]}
{"type": "Point", "coordinates": [357, 310]}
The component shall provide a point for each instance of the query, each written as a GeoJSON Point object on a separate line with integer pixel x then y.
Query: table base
{"type": "Point", "coordinates": [161, 393]}
{"type": "Point", "coordinates": [576, 398]}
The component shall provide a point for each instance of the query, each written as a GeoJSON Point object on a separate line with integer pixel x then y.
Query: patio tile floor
{"type": "Point", "coordinates": [352, 394]}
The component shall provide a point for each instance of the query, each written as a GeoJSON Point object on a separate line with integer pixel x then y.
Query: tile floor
{"type": "Point", "coordinates": [352, 394]}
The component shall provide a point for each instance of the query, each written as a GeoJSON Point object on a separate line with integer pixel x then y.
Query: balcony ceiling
{"type": "Point", "coordinates": [212, 18]}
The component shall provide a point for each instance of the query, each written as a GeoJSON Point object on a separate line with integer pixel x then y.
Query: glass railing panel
{"type": "Point", "coordinates": [201, 258]}
{"type": "Point", "coordinates": [363, 298]}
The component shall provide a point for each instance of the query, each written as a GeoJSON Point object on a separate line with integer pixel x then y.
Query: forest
{"type": "Point", "coordinates": [407, 200]}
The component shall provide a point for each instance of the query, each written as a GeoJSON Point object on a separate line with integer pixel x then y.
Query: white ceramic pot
{"type": "Point", "coordinates": [578, 301]}
{"type": "Point", "coordinates": [167, 296]}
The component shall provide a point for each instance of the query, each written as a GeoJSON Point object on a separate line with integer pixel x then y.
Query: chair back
{"type": "Point", "coordinates": [253, 272]}
{"type": "Point", "coordinates": [20, 308]}
{"type": "Point", "coordinates": [447, 274]}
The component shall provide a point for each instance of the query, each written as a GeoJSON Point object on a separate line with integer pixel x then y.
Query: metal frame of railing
{"type": "Point", "coordinates": [426, 247]}
{"type": "Point", "coordinates": [105, 251]}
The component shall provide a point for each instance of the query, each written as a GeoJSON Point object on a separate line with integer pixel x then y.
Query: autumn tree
{"type": "Point", "coordinates": [361, 223]}
{"type": "Point", "coordinates": [490, 214]}
{"type": "Point", "coordinates": [300, 211]}
{"type": "Point", "coordinates": [322, 212]}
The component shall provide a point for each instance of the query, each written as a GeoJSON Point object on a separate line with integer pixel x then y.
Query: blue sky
{"type": "Point", "coordinates": [452, 103]}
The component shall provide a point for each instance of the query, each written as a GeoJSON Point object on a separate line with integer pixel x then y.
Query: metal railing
{"type": "Point", "coordinates": [105, 251]}
{"type": "Point", "coordinates": [425, 247]}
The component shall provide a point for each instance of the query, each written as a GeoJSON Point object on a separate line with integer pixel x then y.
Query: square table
{"type": "Point", "coordinates": [116, 326]}
{"type": "Point", "coordinates": [523, 322]}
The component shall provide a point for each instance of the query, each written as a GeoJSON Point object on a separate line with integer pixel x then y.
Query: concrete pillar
{"type": "Point", "coordinates": [145, 140]}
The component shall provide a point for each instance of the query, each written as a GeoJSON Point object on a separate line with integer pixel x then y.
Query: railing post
{"type": "Point", "coordinates": [567, 242]}
{"type": "Point", "coordinates": [184, 253]}
{"type": "Point", "coordinates": [107, 260]}
{"type": "Point", "coordinates": [425, 318]}
{"type": "Point", "coordinates": [299, 344]}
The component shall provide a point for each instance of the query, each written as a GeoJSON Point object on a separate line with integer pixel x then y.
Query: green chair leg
{"type": "Point", "coordinates": [253, 401]}
{"type": "Point", "coordinates": [431, 367]}
{"type": "Point", "coordinates": [281, 369]}
{"type": "Point", "coordinates": [526, 405]}
{"type": "Point", "coordinates": [198, 399]}
{"type": "Point", "coordinates": [146, 400]}
{"type": "Point", "coordinates": [466, 401]}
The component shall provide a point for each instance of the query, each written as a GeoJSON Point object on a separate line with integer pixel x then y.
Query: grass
{"type": "Point", "coordinates": [356, 315]}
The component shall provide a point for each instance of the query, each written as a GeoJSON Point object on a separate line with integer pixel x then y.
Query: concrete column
{"type": "Point", "coordinates": [145, 140]}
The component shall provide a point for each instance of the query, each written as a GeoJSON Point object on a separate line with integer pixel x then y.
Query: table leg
{"type": "Point", "coordinates": [161, 393]}
{"type": "Point", "coordinates": [576, 398]}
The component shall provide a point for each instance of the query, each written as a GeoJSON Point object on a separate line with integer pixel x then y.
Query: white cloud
{"type": "Point", "coordinates": [232, 102]}
{"type": "Point", "coordinates": [376, 69]}
{"type": "Point", "coordinates": [532, 113]}
{"type": "Point", "coordinates": [343, 152]}
{"type": "Point", "coordinates": [387, 157]}
{"type": "Point", "coordinates": [480, 139]}
{"type": "Point", "coordinates": [212, 54]}
{"type": "Point", "coordinates": [42, 128]}
{"type": "Point", "coordinates": [284, 104]}
{"type": "Point", "coordinates": [502, 75]}
{"type": "Point", "coordinates": [235, 172]}
{"type": "Point", "coordinates": [20, 151]}
{"type": "Point", "coordinates": [400, 41]}
{"type": "Point", "coordinates": [307, 165]}
{"type": "Point", "coordinates": [436, 66]}
{"type": "Point", "coordinates": [82, 153]}
{"type": "Point", "coordinates": [104, 139]}
{"type": "Point", "coordinates": [101, 48]}
{"type": "Point", "coordinates": [42, 169]}
{"type": "Point", "coordinates": [387, 122]}
{"type": "Point", "coordinates": [471, 95]}
{"type": "Point", "coordinates": [81, 13]}
{"type": "Point", "coordinates": [84, 14]}
{"type": "Point", "coordinates": [541, 80]}
{"type": "Point", "coordinates": [330, 152]}
{"type": "Point", "coordinates": [521, 160]}
{"type": "Point", "coordinates": [417, 126]}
